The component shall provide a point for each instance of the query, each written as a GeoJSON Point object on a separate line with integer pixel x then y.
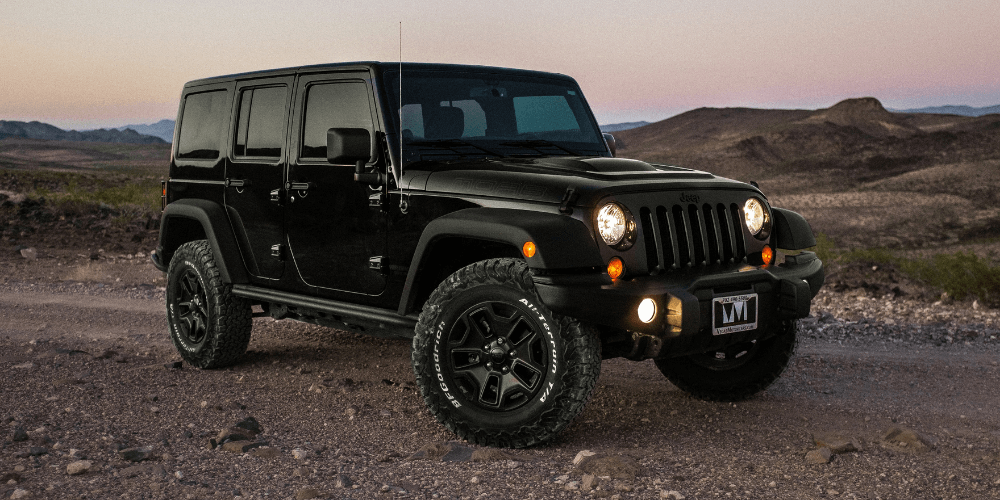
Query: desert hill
{"type": "Point", "coordinates": [39, 130]}
{"type": "Point", "coordinates": [857, 136]}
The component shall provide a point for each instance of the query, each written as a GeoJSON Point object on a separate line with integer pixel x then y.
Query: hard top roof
{"type": "Point", "coordinates": [379, 66]}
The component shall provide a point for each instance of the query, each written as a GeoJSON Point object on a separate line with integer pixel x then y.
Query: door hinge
{"type": "Point", "coordinates": [278, 251]}
{"type": "Point", "coordinates": [376, 200]}
{"type": "Point", "coordinates": [377, 263]}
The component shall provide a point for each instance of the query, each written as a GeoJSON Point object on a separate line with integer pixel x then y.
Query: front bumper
{"type": "Point", "coordinates": [684, 300]}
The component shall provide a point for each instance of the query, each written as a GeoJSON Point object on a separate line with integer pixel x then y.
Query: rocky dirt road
{"type": "Point", "coordinates": [93, 406]}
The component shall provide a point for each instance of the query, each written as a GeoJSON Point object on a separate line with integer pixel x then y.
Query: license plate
{"type": "Point", "coordinates": [734, 313]}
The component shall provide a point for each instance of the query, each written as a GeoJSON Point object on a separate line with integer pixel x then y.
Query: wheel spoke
{"type": "Point", "coordinates": [526, 373]}
{"type": "Point", "coordinates": [489, 392]}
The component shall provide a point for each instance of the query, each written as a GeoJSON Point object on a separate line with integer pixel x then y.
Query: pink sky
{"type": "Point", "coordinates": [87, 64]}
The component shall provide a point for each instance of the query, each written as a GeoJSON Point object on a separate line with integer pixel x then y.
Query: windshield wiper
{"type": "Point", "coordinates": [450, 144]}
{"type": "Point", "coordinates": [538, 143]}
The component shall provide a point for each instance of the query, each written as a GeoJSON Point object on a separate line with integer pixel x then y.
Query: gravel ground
{"type": "Point", "coordinates": [900, 393]}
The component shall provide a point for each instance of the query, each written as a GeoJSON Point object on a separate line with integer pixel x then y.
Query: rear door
{"type": "Point", "coordinates": [256, 169]}
{"type": "Point", "coordinates": [333, 232]}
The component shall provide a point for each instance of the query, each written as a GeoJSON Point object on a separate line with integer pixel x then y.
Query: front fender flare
{"type": "Point", "coordinates": [791, 231]}
{"type": "Point", "coordinates": [215, 226]}
{"type": "Point", "coordinates": [562, 242]}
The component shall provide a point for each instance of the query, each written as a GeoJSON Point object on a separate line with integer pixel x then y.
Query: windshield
{"type": "Point", "coordinates": [478, 114]}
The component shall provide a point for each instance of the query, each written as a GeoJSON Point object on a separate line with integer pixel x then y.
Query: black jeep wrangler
{"type": "Point", "coordinates": [481, 212]}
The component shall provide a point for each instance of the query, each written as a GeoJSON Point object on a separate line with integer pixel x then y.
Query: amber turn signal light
{"type": "Point", "coordinates": [615, 268]}
{"type": "Point", "coordinates": [528, 249]}
{"type": "Point", "coordinates": [766, 255]}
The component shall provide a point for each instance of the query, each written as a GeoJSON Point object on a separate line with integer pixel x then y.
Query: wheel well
{"type": "Point", "coordinates": [178, 231]}
{"type": "Point", "coordinates": [449, 254]}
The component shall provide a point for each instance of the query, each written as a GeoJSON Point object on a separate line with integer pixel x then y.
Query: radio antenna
{"type": "Point", "coordinates": [403, 203]}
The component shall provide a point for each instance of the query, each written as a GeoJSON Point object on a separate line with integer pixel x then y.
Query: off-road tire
{"type": "Point", "coordinates": [732, 377]}
{"type": "Point", "coordinates": [209, 326]}
{"type": "Point", "coordinates": [553, 361]}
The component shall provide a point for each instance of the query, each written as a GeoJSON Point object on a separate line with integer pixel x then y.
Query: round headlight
{"type": "Point", "coordinates": [612, 223]}
{"type": "Point", "coordinates": [757, 218]}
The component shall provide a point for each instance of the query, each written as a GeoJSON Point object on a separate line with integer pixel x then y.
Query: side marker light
{"type": "Point", "coordinates": [528, 249]}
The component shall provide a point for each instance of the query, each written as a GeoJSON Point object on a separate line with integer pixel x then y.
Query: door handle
{"type": "Point", "coordinates": [238, 183]}
{"type": "Point", "coordinates": [299, 186]}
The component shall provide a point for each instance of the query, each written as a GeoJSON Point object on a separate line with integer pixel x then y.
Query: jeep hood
{"type": "Point", "coordinates": [547, 179]}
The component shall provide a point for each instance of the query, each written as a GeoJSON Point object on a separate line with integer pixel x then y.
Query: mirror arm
{"type": "Point", "coordinates": [372, 179]}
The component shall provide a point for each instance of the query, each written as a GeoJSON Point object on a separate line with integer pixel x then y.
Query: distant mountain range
{"type": "Point", "coordinates": [39, 130]}
{"type": "Point", "coordinates": [618, 127]}
{"type": "Point", "coordinates": [952, 110]}
{"type": "Point", "coordinates": [164, 129]}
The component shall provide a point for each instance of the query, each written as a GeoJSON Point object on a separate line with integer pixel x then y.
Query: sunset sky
{"type": "Point", "coordinates": [87, 64]}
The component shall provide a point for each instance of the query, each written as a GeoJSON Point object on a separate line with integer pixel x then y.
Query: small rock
{"type": "Point", "coordinates": [24, 366]}
{"type": "Point", "coordinates": [19, 493]}
{"type": "Point", "coordinates": [178, 474]}
{"type": "Point", "coordinates": [907, 437]}
{"type": "Point", "coordinates": [615, 466]}
{"type": "Point", "coordinates": [37, 451]}
{"type": "Point", "coordinates": [265, 452]}
{"type": "Point", "coordinates": [573, 485]}
{"type": "Point", "coordinates": [588, 482]}
{"type": "Point", "coordinates": [29, 253]}
{"type": "Point", "coordinates": [79, 467]}
{"type": "Point", "coordinates": [674, 495]}
{"type": "Point", "coordinates": [819, 456]}
{"type": "Point", "coordinates": [342, 481]}
{"type": "Point", "coordinates": [136, 454]}
{"type": "Point", "coordinates": [581, 456]}
{"type": "Point", "coordinates": [307, 493]}
{"type": "Point", "coordinates": [250, 424]}
{"type": "Point", "coordinates": [300, 454]}
{"type": "Point", "coordinates": [474, 480]}
{"type": "Point", "coordinates": [19, 435]}
{"type": "Point", "coordinates": [837, 443]}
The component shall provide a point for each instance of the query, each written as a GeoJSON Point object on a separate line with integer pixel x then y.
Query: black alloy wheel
{"type": "Point", "coordinates": [191, 311]}
{"type": "Point", "coordinates": [497, 355]}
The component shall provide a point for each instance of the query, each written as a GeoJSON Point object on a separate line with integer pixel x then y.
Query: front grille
{"type": "Point", "coordinates": [691, 235]}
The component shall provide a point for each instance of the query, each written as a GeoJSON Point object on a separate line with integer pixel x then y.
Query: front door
{"type": "Point", "coordinates": [333, 233]}
{"type": "Point", "coordinates": [255, 169]}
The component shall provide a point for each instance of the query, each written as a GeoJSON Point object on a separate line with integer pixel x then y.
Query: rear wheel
{"type": "Point", "coordinates": [494, 365]}
{"type": "Point", "coordinates": [209, 326]}
{"type": "Point", "coordinates": [736, 372]}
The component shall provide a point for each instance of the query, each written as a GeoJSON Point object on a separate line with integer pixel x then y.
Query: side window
{"type": "Point", "coordinates": [261, 129]}
{"type": "Point", "coordinates": [333, 105]}
{"type": "Point", "coordinates": [201, 125]}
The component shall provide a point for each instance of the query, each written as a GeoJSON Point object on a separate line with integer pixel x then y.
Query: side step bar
{"type": "Point", "coordinates": [387, 318]}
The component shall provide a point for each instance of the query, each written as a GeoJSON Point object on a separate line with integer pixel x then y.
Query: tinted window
{"type": "Point", "coordinates": [261, 129]}
{"type": "Point", "coordinates": [201, 124]}
{"type": "Point", "coordinates": [333, 105]}
{"type": "Point", "coordinates": [544, 113]}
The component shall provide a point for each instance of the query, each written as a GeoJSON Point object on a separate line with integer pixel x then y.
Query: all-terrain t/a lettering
{"type": "Point", "coordinates": [282, 202]}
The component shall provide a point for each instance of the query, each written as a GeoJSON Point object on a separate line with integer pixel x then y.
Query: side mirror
{"type": "Point", "coordinates": [349, 145]}
{"type": "Point", "coordinates": [610, 140]}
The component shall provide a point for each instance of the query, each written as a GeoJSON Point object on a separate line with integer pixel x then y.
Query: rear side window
{"type": "Point", "coordinates": [201, 125]}
{"type": "Point", "coordinates": [261, 129]}
{"type": "Point", "coordinates": [333, 105]}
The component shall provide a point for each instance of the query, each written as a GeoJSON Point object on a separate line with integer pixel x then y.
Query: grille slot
{"type": "Point", "coordinates": [688, 235]}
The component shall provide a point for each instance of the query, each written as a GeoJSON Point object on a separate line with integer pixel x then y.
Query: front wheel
{"type": "Point", "coordinates": [209, 326]}
{"type": "Point", "coordinates": [494, 365]}
{"type": "Point", "coordinates": [736, 372]}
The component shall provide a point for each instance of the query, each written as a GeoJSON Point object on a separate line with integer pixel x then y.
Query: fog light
{"type": "Point", "coordinates": [615, 268]}
{"type": "Point", "coordinates": [647, 310]}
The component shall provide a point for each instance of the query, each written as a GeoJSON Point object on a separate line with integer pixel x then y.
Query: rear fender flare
{"type": "Point", "coordinates": [176, 229]}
